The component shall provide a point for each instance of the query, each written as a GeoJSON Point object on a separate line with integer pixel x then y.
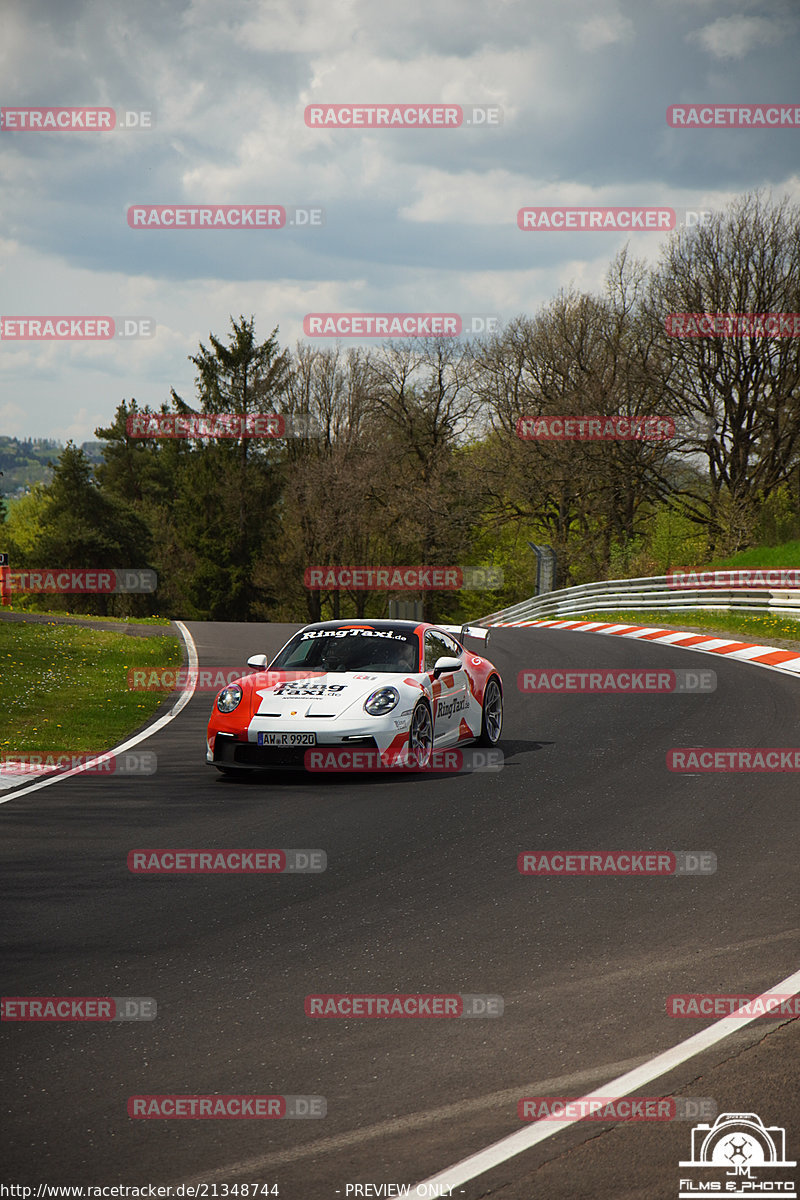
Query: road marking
{"type": "Point", "coordinates": [410, 1123]}
{"type": "Point", "coordinates": [178, 707]}
{"type": "Point", "coordinates": [500, 1152]}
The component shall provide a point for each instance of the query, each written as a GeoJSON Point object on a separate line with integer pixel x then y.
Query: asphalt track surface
{"type": "Point", "coordinates": [421, 894]}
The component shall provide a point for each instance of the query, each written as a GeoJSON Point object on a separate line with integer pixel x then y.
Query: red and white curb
{"type": "Point", "coordinates": [763, 656]}
{"type": "Point", "coordinates": [13, 773]}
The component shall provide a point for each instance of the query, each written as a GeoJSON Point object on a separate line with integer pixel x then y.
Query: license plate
{"type": "Point", "coordinates": [287, 739]}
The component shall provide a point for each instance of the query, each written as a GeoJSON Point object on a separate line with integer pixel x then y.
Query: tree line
{"type": "Point", "coordinates": [408, 452]}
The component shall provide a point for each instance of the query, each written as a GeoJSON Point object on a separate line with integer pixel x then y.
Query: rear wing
{"type": "Point", "coordinates": [462, 631]}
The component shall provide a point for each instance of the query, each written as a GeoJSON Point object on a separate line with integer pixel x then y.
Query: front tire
{"type": "Point", "coordinates": [492, 714]}
{"type": "Point", "coordinates": [420, 736]}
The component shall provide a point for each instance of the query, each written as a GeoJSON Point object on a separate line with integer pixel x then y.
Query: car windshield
{"type": "Point", "coordinates": [335, 650]}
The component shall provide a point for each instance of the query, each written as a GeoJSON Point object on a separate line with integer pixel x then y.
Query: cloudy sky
{"type": "Point", "coordinates": [414, 220]}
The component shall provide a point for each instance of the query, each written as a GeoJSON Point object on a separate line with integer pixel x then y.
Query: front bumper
{"type": "Point", "coordinates": [249, 756]}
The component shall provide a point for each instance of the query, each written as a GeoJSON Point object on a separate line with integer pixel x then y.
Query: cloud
{"type": "Point", "coordinates": [12, 419]}
{"type": "Point", "coordinates": [416, 220]}
{"type": "Point", "coordinates": [81, 427]}
{"type": "Point", "coordinates": [609, 30]}
{"type": "Point", "coordinates": [735, 37]}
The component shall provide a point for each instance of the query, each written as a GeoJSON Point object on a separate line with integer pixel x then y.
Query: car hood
{"type": "Point", "coordinates": [319, 694]}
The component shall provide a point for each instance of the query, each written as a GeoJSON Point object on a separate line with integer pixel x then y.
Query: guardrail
{"type": "Point", "coordinates": [649, 592]}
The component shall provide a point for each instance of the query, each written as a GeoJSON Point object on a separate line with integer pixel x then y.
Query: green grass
{"type": "Point", "coordinates": [752, 627]}
{"type": "Point", "coordinates": [787, 555]}
{"type": "Point", "coordinates": [64, 689]}
{"type": "Point", "coordinates": [22, 607]}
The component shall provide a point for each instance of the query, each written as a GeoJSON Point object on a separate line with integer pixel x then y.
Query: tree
{"type": "Point", "coordinates": [23, 525]}
{"type": "Point", "coordinates": [328, 514]}
{"type": "Point", "coordinates": [582, 355]}
{"type": "Point", "coordinates": [426, 409]}
{"type": "Point", "coordinates": [83, 527]}
{"type": "Point", "coordinates": [744, 390]}
{"type": "Point", "coordinates": [146, 474]}
{"type": "Point", "coordinates": [226, 507]}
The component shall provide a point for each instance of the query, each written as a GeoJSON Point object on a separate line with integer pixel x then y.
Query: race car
{"type": "Point", "coordinates": [401, 689]}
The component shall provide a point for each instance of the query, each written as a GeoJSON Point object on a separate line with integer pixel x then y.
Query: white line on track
{"type": "Point", "coordinates": [476, 1164]}
{"type": "Point", "coordinates": [411, 1123]}
{"type": "Point", "coordinates": [178, 706]}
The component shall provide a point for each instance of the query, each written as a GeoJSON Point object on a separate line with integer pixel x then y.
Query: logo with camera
{"type": "Point", "coordinates": [738, 1156]}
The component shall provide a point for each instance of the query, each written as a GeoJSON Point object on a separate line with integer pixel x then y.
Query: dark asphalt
{"type": "Point", "coordinates": [421, 894]}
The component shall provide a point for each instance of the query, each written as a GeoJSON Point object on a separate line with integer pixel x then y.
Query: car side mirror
{"type": "Point", "coordinates": [444, 666]}
{"type": "Point", "coordinates": [258, 662]}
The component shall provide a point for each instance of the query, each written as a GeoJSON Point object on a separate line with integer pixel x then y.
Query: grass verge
{"type": "Point", "coordinates": [785, 555]}
{"type": "Point", "coordinates": [43, 612]}
{"type": "Point", "coordinates": [64, 689]}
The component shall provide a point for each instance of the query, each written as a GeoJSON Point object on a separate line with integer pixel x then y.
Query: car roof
{"type": "Point", "coordinates": [368, 623]}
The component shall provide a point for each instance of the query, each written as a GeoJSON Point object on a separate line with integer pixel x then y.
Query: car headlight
{"type": "Point", "coordinates": [229, 698]}
{"type": "Point", "coordinates": [382, 701]}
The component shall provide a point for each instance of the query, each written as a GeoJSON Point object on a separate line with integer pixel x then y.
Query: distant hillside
{"type": "Point", "coordinates": [24, 461]}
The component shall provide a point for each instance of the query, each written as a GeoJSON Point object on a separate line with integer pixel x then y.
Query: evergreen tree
{"type": "Point", "coordinates": [83, 527]}
{"type": "Point", "coordinates": [229, 488]}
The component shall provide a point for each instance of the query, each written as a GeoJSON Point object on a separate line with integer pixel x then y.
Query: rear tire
{"type": "Point", "coordinates": [492, 714]}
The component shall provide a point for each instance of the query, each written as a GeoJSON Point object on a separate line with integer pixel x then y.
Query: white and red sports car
{"type": "Point", "coordinates": [401, 689]}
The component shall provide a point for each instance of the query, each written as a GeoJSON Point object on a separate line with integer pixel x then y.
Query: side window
{"type": "Point", "coordinates": [436, 647]}
{"type": "Point", "coordinates": [453, 648]}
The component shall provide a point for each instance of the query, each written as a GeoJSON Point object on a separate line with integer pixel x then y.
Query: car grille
{"type": "Point", "coordinates": [228, 752]}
